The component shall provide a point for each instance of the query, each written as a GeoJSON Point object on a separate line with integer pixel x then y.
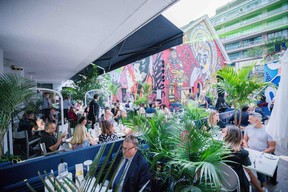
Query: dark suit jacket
{"type": "Point", "coordinates": [137, 175]}
{"type": "Point", "coordinates": [93, 111]}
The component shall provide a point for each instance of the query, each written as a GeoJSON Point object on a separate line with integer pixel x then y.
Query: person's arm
{"type": "Point", "coordinates": [271, 147]}
{"type": "Point", "coordinates": [117, 114]}
{"type": "Point", "coordinates": [58, 143]}
{"type": "Point", "coordinates": [91, 139]}
{"type": "Point", "coordinates": [245, 141]}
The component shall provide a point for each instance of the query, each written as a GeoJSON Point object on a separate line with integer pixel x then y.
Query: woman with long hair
{"type": "Point", "coordinates": [108, 133]}
{"type": "Point", "coordinates": [239, 157]}
{"type": "Point", "coordinates": [81, 138]}
{"type": "Point", "coordinates": [214, 120]}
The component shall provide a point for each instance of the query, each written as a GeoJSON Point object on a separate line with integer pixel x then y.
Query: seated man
{"type": "Point", "coordinates": [47, 137]}
{"type": "Point", "coordinates": [257, 138]}
{"type": "Point", "coordinates": [134, 167]}
{"type": "Point", "coordinates": [28, 123]}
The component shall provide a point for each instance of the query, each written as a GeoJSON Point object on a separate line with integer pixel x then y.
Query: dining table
{"type": "Point", "coordinates": [264, 163]}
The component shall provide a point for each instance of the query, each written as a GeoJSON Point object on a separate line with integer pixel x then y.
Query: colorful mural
{"type": "Point", "coordinates": [177, 71]}
{"type": "Point", "coordinates": [272, 73]}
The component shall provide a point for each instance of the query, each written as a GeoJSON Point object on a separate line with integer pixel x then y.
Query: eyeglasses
{"type": "Point", "coordinates": [127, 149]}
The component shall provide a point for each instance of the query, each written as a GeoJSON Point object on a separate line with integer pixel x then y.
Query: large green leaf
{"type": "Point", "coordinates": [238, 85]}
{"type": "Point", "coordinates": [14, 90]}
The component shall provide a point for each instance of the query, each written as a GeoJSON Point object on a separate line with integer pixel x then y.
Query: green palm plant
{"type": "Point", "coordinates": [146, 91]}
{"type": "Point", "coordinates": [114, 88]}
{"type": "Point", "coordinates": [239, 86]}
{"type": "Point", "coordinates": [14, 90]}
{"type": "Point", "coordinates": [184, 151]}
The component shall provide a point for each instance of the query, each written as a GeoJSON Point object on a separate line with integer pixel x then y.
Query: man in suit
{"type": "Point", "coordinates": [133, 173]}
{"type": "Point", "coordinates": [93, 114]}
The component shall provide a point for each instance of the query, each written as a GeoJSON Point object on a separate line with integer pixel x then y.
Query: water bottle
{"type": "Point", "coordinates": [62, 169]}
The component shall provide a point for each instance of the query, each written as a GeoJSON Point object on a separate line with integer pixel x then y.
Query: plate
{"type": "Point", "coordinates": [269, 156]}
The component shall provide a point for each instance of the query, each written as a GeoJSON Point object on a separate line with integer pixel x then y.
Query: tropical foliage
{"type": "Point", "coordinates": [238, 85]}
{"type": "Point", "coordinates": [101, 169]}
{"type": "Point", "coordinates": [182, 154]}
{"type": "Point", "coordinates": [86, 82]}
{"type": "Point", "coordinates": [114, 88]}
{"type": "Point", "coordinates": [145, 92]}
{"type": "Point", "coordinates": [14, 90]}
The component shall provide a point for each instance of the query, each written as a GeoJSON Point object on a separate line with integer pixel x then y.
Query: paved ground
{"type": "Point", "coordinates": [282, 176]}
{"type": "Point", "coordinates": [282, 172]}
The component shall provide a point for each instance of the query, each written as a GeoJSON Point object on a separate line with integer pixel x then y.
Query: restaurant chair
{"type": "Point", "coordinates": [21, 138]}
{"type": "Point", "coordinates": [230, 180]}
{"type": "Point", "coordinates": [44, 150]}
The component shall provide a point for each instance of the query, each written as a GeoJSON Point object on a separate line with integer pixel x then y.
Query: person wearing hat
{"type": "Point", "coordinates": [256, 138]}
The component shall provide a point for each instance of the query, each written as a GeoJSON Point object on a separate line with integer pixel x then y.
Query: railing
{"type": "Point", "coordinates": [258, 29]}
{"type": "Point", "coordinates": [253, 19]}
{"type": "Point", "coordinates": [15, 176]}
{"type": "Point", "coordinates": [236, 12]}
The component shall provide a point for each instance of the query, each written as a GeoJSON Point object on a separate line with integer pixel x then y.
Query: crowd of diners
{"type": "Point", "coordinates": [249, 134]}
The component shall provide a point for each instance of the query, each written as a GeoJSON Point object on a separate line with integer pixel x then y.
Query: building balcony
{"type": "Point", "coordinates": [259, 18]}
{"type": "Point", "coordinates": [236, 13]}
{"type": "Point", "coordinates": [278, 24]}
{"type": "Point", "coordinates": [243, 58]}
{"type": "Point", "coordinates": [244, 47]}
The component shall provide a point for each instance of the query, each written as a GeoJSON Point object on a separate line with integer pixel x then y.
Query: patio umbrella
{"type": "Point", "coordinates": [278, 123]}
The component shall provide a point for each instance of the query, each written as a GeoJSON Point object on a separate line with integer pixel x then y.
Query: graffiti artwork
{"type": "Point", "coordinates": [175, 71]}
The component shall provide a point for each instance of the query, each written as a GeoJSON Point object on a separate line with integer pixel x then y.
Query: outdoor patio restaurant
{"type": "Point", "coordinates": [101, 96]}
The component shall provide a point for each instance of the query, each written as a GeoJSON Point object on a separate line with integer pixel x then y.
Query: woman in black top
{"type": "Point", "coordinates": [239, 156]}
{"type": "Point", "coordinates": [213, 122]}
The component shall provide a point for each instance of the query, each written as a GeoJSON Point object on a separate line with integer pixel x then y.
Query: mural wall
{"type": "Point", "coordinates": [175, 72]}
{"type": "Point", "coordinates": [272, 73]}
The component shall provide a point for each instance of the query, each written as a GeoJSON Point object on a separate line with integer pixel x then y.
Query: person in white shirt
{"type": "Point", "coordinates": [256, 137]}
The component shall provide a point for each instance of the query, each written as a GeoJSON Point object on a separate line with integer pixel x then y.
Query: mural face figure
{"type": "Point", "coordinates": [204, 49]}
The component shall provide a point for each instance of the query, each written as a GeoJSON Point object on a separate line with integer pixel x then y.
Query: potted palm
{"type": "Point", "coordinates": [14, 90]}
{"type": "Point", "coordinates": [114, 88]}
{"type": "Point", "coordinates": [145, 90]}
{"type": "Point", "coordinates": [183, 156]}
{"type": "Point", "coordinates": [238, 85]}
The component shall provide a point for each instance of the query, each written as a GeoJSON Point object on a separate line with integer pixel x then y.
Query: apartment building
{"type": "Point", "coordinates": [244, 25]}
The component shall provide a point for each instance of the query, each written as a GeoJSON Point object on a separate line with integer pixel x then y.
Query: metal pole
{"type": "Point", "coordinates": [61, 101]}
{"type": "Point", "coordinates": [85, 100]}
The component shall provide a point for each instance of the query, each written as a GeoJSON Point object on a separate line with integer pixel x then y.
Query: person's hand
{"type": "Point", "coordinates": [63, 135]}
